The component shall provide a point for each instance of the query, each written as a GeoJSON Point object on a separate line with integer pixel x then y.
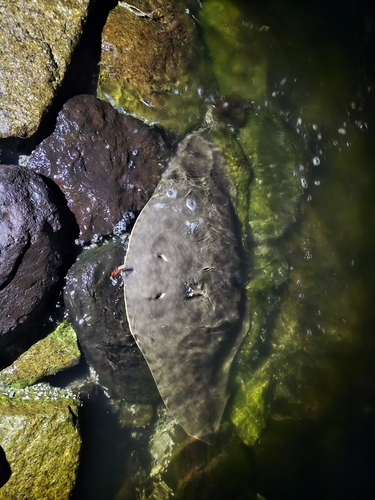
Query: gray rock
{"type": "Point", "coordinates": [107, 164]}
{"type": "Point", "coordinates": [97, 312]}
{"type": "Point", "coordinates": [37, 41]}
{"type": "Point", "coordinates": [29, 257]}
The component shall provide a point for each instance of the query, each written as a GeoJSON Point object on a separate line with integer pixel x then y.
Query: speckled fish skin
{"type": "Point", "coordinates": [184, 297]}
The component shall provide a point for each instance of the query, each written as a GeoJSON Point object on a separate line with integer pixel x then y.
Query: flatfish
{"type": "Point", "coordinates": [184, 281]}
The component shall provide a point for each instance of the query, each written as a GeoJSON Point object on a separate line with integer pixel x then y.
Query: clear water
{"type": "Point", "coordinates": [311, 64]}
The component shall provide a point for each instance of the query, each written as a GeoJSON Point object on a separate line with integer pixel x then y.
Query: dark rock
{"type": "Point", "coordinates": [107, 164]}
{"type": "Point", "coordinates": [97, 312]}
{"type": "Point", "coordinates": [29, 260]}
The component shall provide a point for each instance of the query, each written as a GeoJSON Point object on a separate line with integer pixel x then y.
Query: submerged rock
{"type": "Point", "coordinates": [96, 310]}
{"type": "Point", "coordinates": [56, 352]}
{"type": "Point", "coordinates": [29, 256]}
{"type": "Point", "coordinates": [41, 441]}
{"type": "Point", "coordinates": [37, 41]}
{"type": "Point", "coordinates": [152, 63]}
{"type": "Point", "coordinates": [107, 164]}
{"type": "Point", "coordinates": [183, 286]}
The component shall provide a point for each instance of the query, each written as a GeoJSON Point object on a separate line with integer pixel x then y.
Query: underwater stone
{"type": "Point", "coordinates": [152, 63]}
{"type": "Point", "coordinates": [96, 310]}
{"type": "Point", "coordinates": [56, 352]}
{"type": "Point", "coordinates": [184, 286]}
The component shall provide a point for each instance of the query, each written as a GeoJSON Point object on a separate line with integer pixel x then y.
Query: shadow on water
{"type": "Point", "coordinates": [5, 470]}
{"type": "Point", "coordinates": [106, 450]}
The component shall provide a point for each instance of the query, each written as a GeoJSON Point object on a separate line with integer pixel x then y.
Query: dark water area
{"type": "Point", "coordinates": [331, 45]}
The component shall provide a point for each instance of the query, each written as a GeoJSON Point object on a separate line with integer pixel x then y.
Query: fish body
{"type": "Point", "coordinates": [184, 296]}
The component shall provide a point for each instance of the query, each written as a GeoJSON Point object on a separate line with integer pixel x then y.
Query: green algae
{"type": "Point", "coordinates": [56, 352]}
{"type": "Point", "coordinates": [240, 58]}
{"type": "Point", "coordinates": [239, 170]}
{"type": "Point", "coordinates": [40, 438]}
{"type": "Point", "coordinates": [134, 415]}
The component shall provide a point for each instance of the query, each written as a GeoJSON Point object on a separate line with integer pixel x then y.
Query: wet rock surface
{"type": "Point", "coordinates": [39, 36]}
{"type": "Point", "coordinates": [97, 312]}
{"type": "Point", "coordinates": [125, 47]}
{"type": "Point", "coordinates": [29, 255]}
{"type": "Point", "coordinates": [41, 442]}
{"type": "Point", "coordinates": [56, 352]}
{"type": "Point", "coordinates": [153, 80]}
{"type": "Point", "coordinates": [107, 164]}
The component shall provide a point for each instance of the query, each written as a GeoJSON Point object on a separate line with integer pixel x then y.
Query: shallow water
{"type": "Point", "coordinates": [309, 65]}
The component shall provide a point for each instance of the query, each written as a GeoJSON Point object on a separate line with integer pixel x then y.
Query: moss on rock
{"type": "Point", "coordinates": [37, 40]}
{"type": "Point", "coordinates": [41, 441]}
{"type": "Point", "coordinates": [151, 63]}
{"type": "Point", "coordinates": [56, 352]}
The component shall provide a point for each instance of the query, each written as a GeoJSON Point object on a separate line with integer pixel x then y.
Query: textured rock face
{"type": "Point", "coordinates": [96, 309]}
{"type": "Point", "coordinates": [37, 41]}
{"type": "Point", "coordinates": [29, 226]}
{"type": "Point", "coordinates": [107, 164]}
{"type": "Point", "coordinates": [154, 80]}
{"type": "Point", "coordinates": [41, 442]}
{"type": "Point", "coordinates": [126, 48]}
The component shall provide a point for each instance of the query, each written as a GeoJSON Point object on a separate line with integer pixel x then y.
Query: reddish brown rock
{"type": "Point", "coordinates": [29, 257]}
{"type": "Point", "coordinates": [107, 164]}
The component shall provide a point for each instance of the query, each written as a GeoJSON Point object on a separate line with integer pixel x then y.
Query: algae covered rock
{"type": "Point", "coordinates": [37, 41]}
{"type": "Point", "coordinates": [106, 163]}
{"type": "Point", "coordinates": [185, 468]}
{"type": "Point", "coordinates": [273, 198]}
{"type": "Point", "coordinates": [241, 58]}
{"type": "Point", "coordinates": [150, 63]}
{"type": "Point", "coordinates": [56, 352]}
{"type": "Point", "coordinates": [41, 441]}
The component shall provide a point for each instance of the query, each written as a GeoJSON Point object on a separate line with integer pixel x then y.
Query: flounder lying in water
{"type": "Point", "coordinates": [184, 286]}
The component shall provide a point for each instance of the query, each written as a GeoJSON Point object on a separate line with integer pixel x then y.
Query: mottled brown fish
{"type": "Point", "coordinates": [184, 286]}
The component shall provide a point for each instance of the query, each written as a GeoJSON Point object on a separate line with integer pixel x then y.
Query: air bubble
{"type": "Point", "coordinates": [172, 193]}
{"type": "Point", "coordinates": [304, 183]}
{"type": "Point", "coordinates": [191, 204]}
{"type": "Point", "coordinates": [317, 182]}
{"type": "Point", "coordinates": [316, 161]}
